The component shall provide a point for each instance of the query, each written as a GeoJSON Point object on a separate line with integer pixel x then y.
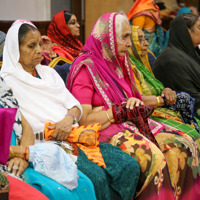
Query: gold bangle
{"type": "Point", "coordinates": [158, 100]}
{"type": "Point", "coordinates": [12, 152]}
{"type": "Point", "coordinates": [108, 117]}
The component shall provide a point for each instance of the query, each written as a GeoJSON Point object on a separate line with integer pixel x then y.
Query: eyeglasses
{"type": "Point", "coordinates": [74, 23]}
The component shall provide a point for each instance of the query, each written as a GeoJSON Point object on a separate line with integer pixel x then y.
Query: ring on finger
{"type": "Point", "coordinates": [15, 167]}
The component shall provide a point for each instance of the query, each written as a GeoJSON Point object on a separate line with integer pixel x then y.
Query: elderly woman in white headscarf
{"type": "Point", "coordinates": [48, 186]}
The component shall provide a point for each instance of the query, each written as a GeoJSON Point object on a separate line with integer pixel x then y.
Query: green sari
{"type": "Point", "coordinates": [149, 85]}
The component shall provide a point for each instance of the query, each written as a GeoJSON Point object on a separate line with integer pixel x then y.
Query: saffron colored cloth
{"type": "Point", "coordinates": [148, 9]}
{"type": "Point", "coordinates": [7, 119]}
{"type": "Point", "coordinates": [143, 21]}
{"type": "Point", "coordinates": [145, 5]}
{"type": "Point", "coordinates": [158, 178]}
{"type": "Point", "coordinates": [86, 138]}
{"type": "Point", "coordinates": [59, 33]}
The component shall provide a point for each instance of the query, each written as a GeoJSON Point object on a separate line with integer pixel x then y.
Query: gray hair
{"type": "Point", "coordinates": [119, 21]}
{"type": "Point", "coordinates": [190, 20]}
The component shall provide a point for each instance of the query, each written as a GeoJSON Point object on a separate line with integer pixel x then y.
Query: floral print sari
{"type": "Point", "coordinates": [165, 171]}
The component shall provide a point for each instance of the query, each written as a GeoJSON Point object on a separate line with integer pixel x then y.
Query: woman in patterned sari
{"type": "Point", "coordinates": [102, 80]}
{"type": "Point", "coordinates": [151, 89]}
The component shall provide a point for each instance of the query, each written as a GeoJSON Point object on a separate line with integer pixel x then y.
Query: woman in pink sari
{"type": "Point", "coordinates": [102, 80]}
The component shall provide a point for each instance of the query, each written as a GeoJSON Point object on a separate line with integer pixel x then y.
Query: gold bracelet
{"type": "Point", "coordinates": [108, 117]}
{"type": "Point", "coordinates": [12, 152]}
{"type": "Point", "coordinates": [158, 100]}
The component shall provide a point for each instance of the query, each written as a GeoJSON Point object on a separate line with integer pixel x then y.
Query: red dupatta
{"type": "Point", "coordinates": [59, 33]}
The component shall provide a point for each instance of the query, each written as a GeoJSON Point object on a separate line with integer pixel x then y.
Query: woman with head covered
{"type": "Point", "coordinates": [146, 15]}
{"type": "Point", "coordinates": [178, 65]}
{"type": "Point", "coordinates": [102, 80]}
{"type": "Point", "coordinates": [63, 32]}
{"type": "Point", "coordinates": [175, 109]}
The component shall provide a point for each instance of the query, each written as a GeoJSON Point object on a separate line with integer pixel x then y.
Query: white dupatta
{"type": "Point", "coordinates": [40, 100]}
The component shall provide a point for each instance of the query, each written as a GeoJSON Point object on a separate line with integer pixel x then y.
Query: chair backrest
{"type": "Point", "coordinates": [59, 60]}
{"type": "Point", "coordinates": [63, 71]}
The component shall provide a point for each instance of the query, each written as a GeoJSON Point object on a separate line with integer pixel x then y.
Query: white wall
{"type": "Point", "coordinates": [34, 10]}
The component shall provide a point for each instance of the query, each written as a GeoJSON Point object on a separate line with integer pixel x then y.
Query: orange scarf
{"type": "Point", "coordinates": [144, 5]}
{"type": "Point", "coordinates": [86, 138]}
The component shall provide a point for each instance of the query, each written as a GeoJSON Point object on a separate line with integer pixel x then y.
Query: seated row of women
{"type": "Point", "coordinates": [117, 95]}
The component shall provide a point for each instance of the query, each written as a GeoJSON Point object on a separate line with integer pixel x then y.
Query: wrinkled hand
{"type": "Point", "coordinates": [170, 96]}
{"type": "Point", "coordinates": [62, 128]}
{"type": "Point", "coordinates": [46, 44]}
{"type": "Point", "coordinates": [17, 165]}
{"type": "Point", "coordinates": [131, 102]}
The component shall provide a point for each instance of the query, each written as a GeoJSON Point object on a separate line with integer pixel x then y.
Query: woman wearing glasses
{"type": "Point", "coordinates": [63, 31]}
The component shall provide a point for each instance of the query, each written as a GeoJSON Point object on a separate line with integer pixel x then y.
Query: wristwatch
{"type": "Point", "coordinates": [75, 119]}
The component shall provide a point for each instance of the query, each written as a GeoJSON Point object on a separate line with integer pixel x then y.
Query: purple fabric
{"type": "Point", "coordinates": [7, 119]}
{"type": "Point", "coordinates": [45, 58]}
{"type": "Point", "coordinates": [104, 65]}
